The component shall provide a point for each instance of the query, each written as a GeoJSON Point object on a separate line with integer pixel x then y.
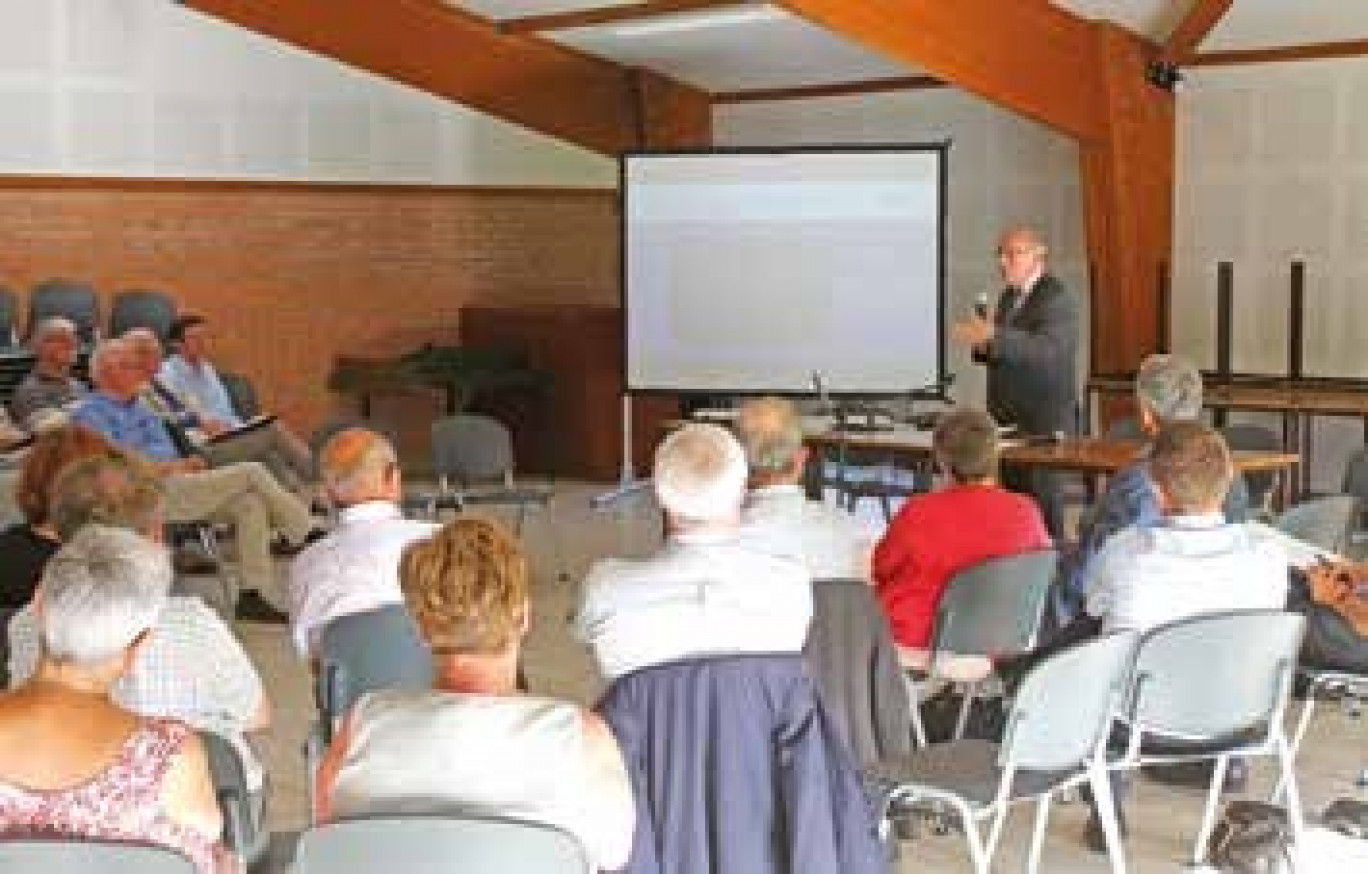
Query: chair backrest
{"type": "Point", "coordinates": [241, 830]}
{"type": "Point", "coordinates": [851, 656]}
{"type": "Point", "coordinates": [67, 298]}
{"type": "Point", "coordinates": [1214, 676]}
{"type": "Point", "coordinates": [241, 393]}
{"type": "Point", "coordinates": [142, 308]}
{"type": "Point", "coordinates": [1064, 707]}
{"type": "Point", "coordinates": [66, 856]}
{"type": "Point", "coordinates": [362, 652]}
{"type": "Point", "coordinates": [994, 608]}
{"type": "Point", "coordinates": [438, 845]}
{"type": "Point", "coordinates": [1323, 522]}
{"type": "Point", "coordinates": [471, 448]}
{"type": "Point", "coordinates": [1356, 475]}
{"type": "Point", "coordinates": [1244, 435]}
{"type": "Point", "coordinates": [9, 329]}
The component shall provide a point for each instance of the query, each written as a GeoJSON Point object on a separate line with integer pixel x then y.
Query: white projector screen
{"type": "Point", "coordinates": [749, 271]}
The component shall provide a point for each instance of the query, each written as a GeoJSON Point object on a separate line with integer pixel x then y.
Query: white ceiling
{"type": "Point", "coordinates": [783, 51]}
{"type": "Point", "coordinates": [1272, 23]}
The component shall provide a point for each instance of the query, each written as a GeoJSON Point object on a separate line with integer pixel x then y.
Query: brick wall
{"type": "Point", "coordinates": [291, 275]}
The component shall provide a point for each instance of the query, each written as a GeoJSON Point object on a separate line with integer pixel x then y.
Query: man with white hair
{"type": "Point", "coordinates": [703, 591]}
{"type": "Point", "coordinates": [1168, 389]}
{"type": "Point", "coordinates": [192, 667]}
{"type": "Point", "coordinates": [220, 442]}
{"type": "Point", "coordinates": [244, 494]}
{"type": "Point", "coordinates": [50, 389]}
{"type": "Point", "coordinates": [355, 568]}
{"type": "Point", "coordinates": [777, 517]}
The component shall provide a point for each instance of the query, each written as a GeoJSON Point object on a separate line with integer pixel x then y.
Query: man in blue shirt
{"type": "Point", "coordinates": [1168, 389]}
{"type": "Point", "coordinates": [244, 494]}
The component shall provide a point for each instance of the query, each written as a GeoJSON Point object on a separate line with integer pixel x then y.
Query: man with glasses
{"type": "Point", "coordinates": [1029, 343]}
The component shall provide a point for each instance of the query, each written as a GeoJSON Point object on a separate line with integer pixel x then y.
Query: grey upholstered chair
{"type": "Point", "coordinates": [1055, 738]}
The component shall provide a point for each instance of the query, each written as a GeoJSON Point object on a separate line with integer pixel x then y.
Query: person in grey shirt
{"type": "Point", "coordinates": [777, 517]}
{"type": "Point", "coordinates": [49, 390]}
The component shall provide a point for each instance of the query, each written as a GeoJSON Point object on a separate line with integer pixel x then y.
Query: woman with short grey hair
{"type": "Point", "coordinates": [73, 763]}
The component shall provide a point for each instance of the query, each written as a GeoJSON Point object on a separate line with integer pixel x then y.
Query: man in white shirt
{"type": "Point", "coordinates": [356, 567]}
{"type": "Point", "coordinates": [1190, 562]}
{"type": "Point", "coordinates": [777, 517]}
{"type": "Point", "coordinates": [703, 592]}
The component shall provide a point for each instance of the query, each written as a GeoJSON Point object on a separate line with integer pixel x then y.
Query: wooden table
{"type": "Point", "coordinates": [1297, 402]}
{"type": "Point", "coordinates": [1092, 455]}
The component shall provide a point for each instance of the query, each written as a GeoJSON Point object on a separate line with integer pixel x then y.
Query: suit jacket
{"type": "Point", "coordinates": [736, 767]}
{"type": "Point", "coordinates": [1032, 381]}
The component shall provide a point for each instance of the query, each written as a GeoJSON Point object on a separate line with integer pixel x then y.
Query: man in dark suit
{"type": "Point", "coordinates": [1029, 344]}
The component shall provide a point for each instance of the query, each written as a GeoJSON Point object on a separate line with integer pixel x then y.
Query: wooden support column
{"type": "Point", "coordinates": [1128, 202]}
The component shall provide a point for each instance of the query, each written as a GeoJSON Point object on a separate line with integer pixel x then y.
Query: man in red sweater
{"type": "Point", "coordinates": [939, 533]}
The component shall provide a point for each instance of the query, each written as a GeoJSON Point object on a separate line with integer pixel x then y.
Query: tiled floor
{"type": "Point", "coordinates": [567, 538]}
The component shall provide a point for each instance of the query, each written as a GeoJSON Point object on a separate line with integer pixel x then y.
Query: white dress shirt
{"type": "Point", "coordinates": [1183, 566]}
{"type": "Point", "coordinates": [700, 594]}
{"type": "Point", "coordinates": [780, 520]}
{"type": "Point", "coordinates": [354, 569]}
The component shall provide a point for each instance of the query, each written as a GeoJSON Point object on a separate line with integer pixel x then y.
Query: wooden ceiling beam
{"type": "Point", "coordinates": [1308, 52]}
{"type": "Point", "coordinates": [606, 15]}
{"type": "Point", "coordinates": [835, 89]}
{"type": "Point", "coordinates": [1027, 55]}
{"type": "Point", "coordinates": [1201, 18]}
{"type": "Point", "coordinates": [458, 56]}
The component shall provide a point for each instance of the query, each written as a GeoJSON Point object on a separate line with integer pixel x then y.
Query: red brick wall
{"type": "Point", "coordinates": [291, 275]}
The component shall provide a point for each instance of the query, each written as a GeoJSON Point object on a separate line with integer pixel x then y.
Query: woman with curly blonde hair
{"type": "Point", "coordinates": [474, 744]}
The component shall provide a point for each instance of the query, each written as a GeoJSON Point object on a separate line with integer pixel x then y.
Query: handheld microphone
{"type": "Point", "coordinates": [981, 306]}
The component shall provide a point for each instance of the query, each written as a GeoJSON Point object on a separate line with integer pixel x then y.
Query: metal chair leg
{"type": "Point", "coordinates": [1213, 800]}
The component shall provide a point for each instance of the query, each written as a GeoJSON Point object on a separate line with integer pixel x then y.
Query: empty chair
{"type": "Point", "coordinates": [61, 856]}
{"type": "Point", "coordinates": [241, 393]}
{"type": "Point", "coordinates": [854, 662]}
{"type": "Point", "coordinates": [1322, 522]}
{"type": "Point", "coordinates": [1219, 682]}
{"type": "Point", "coordinates": [472, 456]}
{"type": "Point", "coordinates": [1356, 483]}
{"type": "Point", "coordinates": [9, 309]}
{"type": "Point", "coordinates": [1245, 436]}
{"type": "Point", "coordinates": [362, 652]}
{"type": "Point", "coordinates": [1056, 733]}
{"type": "Point", "coordinates": [991, 609]}
{"type": "Point", "coordinates": [69, 299]}
{"type": "Point", "coordinates": [142, 308]}
{"type": "Point", "coordinates": [438, 845]}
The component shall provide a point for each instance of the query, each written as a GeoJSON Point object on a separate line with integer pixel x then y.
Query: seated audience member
{"type": "Point", "coordinates": [475, 744]}
{"type": "Point", "coordinates": [72, 762]}
{"type": "Point", "coordinates": [244, 494]}
{"type": "Point", "coordinates": [47, 394]}
{"type": "Point", "coordinates": [191, 667]}
{"type": "Point", "coordinates": [1191, 561]}
{"type": "Point", "coordinates": [937, 534]}
{"type": "Point", "coordinates": [1167, 389]}
{"type": "Point", "coordinates": [26, 547]}
{"type": "Point", "coordinates": [703, 591]}
{"type": "Point", "coordinates": [777, 517]}
{"type": "Point", "coordinates": [211, 436]}
{"type": "Point", "coordinates": [356, 567]}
